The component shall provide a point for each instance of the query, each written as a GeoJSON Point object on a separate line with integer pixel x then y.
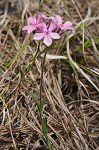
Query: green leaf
{"type": "Point", "coordinates": [88, 44]}
{"type": "Point", "coordinates": [41, 105]}
{"type": "Point", "coordinates": [20, 71]}
{"type": "Point", "coordinates": [28, 68]}
{"type": "Point", "coordinates": [44, 127]}
{"type": "Point", "coordinates": [40, 1]}
{"type": "Point", "coordinates": [36, 100]}
{"type": "Point", "coordinates": [38, 103]}
{"type": "Point", "coordinates": [19, 54]}
{"type": "Point", "coordinates": [50, 147]}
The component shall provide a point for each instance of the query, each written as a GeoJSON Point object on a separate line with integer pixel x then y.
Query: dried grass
{"type": "Point", "coordinates": [70, 87]}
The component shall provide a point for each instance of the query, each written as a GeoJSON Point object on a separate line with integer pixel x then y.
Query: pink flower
{"type": "Point", "coordinates": [47, 34]}
{"type": "Point", "coordinates": [33, 24]}
{"type": "Point", "coordinates": [63, 26]}
{"type": "Point", "coordinates": [46, 26]}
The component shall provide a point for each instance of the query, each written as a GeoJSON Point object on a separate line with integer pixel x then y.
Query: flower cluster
{"type": "Point", "coordinates": [47, 28]}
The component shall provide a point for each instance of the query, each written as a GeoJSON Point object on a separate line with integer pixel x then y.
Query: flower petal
{"type": "Point", "coordinates": [68, 23]}
{"type": "Point", "coordinates": [67, 26]}
{"type": "Point", "coordinates": [29, 29]}
{"type": "Point", "coordinates": [42, 27]}
{"type": "Point", "coordinates": [59, 19]}
{"type": "Point", "coordinates": [52, 26]}
{"type": "Point", "coordinates": [44, 17]}
{"type": "Point", "coordinates": [38, 36]}
{"type": "Point", "coordinates": [51, 18]}
{"type": "Point", "coordinates": [32, 20]}
{"type": "Point", "coordinates": [39, 18]}
{"type": "Point", "coordinates": [54, 35]}
{"type": "Point", "coordinates": [47, 40]}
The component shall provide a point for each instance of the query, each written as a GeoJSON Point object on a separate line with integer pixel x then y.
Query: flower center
{"type": "Point", "coordinates": [47, 32]}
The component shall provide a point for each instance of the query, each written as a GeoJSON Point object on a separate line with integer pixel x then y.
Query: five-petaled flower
{"type": "Point", "coordinates": [47, 34]}
{"type": "Point", "coordinates": [34, 23]}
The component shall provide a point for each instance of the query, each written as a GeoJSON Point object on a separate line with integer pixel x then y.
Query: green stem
{"type": "Point", "coordinates": [41, 81]}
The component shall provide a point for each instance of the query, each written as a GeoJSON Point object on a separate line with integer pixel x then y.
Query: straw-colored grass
{"type": "Point", "coordinates": [70, 87]}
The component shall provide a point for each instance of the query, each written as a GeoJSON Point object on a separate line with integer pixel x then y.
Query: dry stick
{"type": "Point", "coordinates": [41, 81]}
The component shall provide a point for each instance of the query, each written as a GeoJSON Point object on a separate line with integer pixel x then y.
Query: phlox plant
{"type": "Point", "coordinates": [47, 28]}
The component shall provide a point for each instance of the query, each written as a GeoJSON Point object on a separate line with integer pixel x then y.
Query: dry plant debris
{"type": "Point", "coordinates": [70, 88]}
